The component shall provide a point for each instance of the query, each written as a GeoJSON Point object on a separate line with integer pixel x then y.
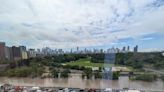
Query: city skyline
{"type": "Point", "coordinates": [84, 23]}
{"type": "Point", "coordinates": [74, 49]}
{"type": "Point", "coordinates": [16, 53]}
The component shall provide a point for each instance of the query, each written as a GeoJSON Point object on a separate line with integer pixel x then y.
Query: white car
{"type": "Point", "coordinates": [66, 90]}
{"type": "Point", "coordinates": [132, 91]}
{"type": "Point", "coordinates": [108, 90]}
{"type": "Point", "coordinates": [39, 90]}
{"type": "Point", "coordinates": [35, 88]}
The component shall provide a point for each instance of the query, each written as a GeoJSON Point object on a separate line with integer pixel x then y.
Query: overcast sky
{"type": "Point", "coordinates": [83, 23]}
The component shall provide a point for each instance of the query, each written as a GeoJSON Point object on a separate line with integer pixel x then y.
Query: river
{"type": "Point", "coordinates": [76, 82]}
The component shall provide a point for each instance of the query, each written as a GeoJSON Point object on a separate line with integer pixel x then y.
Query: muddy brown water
{"type": "Point", "coordinates": [75, 81]}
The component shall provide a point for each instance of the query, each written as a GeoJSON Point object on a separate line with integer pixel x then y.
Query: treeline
{"type": "Point", "coordinates": [129, 59]}
{"type": "Point", "coordinates": [138, 60]}
{"type": "Point", "coordinates": [97, 58]}
{"type": "Point", "coordinates": [135, 60]}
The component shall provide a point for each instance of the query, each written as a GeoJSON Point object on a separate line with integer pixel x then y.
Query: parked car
{"type": "Point", "coordinates": [108, 90]}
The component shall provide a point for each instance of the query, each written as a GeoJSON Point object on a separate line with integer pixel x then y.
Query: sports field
{"type": "Point", "coordinates": [87, 63]}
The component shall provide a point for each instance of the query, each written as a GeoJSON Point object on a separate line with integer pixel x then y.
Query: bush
{"type": "Point", "coordinates": [146, 77]}
{"type": "Point", "coordinates": [65, 73]}
{"type": "Point", "coordinates": [115, 75]}
{"type": "Point", "coordinates": [55, 73]}
{"type": "Point", "coordinates": [24, 72]}
{"type": "Point", "coordinates": [97, 74]}
{"type": "Point", "coordinates": [88, 73]}
{"type": "Point", "coordinates": [83, 75]}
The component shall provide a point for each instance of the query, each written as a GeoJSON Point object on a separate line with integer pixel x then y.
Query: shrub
{"type": "Point", "coordinates": [146, 77]}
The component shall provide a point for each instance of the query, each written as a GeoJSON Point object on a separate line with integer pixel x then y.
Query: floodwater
{"type": "Point", "coordinates": [75, 81]}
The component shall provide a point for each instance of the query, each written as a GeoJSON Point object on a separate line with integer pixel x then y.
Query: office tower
{"type": "Point", "coordinates": [71, 51]}
{"type": "Point", "coordinates": [128, 48]}
{"type": "Point", "coordinates": [77, 50]}
{"type": "Point", "coordinates": [136, 48]}
{"type": "Point", "coordinates": [124, 48]}
{"type": "Point", "coordinates": [2, 50]}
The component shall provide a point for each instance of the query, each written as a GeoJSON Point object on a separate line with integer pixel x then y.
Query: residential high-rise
{"type": "Point", "coordinates": [2, 50]}
{"type": "Point", "coordinates": [22, 48]}
{"type": "Point", "coordinates": [11, 54]}
{"type": "Point", "coordinates": [23, 52]}
{"type": "Point", "coordinates": [8, 54]}
{"type": "Point", "coordinates": [16, 53]}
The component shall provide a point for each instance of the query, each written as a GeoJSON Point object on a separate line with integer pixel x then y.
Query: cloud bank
{"type": "Point", "coordinates": [83, 23]}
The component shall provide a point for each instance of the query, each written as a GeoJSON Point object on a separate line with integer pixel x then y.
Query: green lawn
{"type": "Point", "coordinates": [86, 62]}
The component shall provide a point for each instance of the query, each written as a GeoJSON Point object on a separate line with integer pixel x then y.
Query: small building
{"type": "Point", "coordinates": [95, 68]}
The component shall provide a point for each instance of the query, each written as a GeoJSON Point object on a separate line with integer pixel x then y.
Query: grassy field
{"type": "Point", "coordinates": [86, 62]}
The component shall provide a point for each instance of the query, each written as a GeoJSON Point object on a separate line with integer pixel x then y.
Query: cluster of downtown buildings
{"type": "Point", "coordinates": [19, 53]}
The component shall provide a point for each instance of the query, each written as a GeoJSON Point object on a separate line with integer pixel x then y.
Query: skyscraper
{"type": "Point", "coordinates": [128, 48]}
{"type": "Point", "coordinates": [123, 49]}
{"type": "Point", "coordinates": [77, 49]}
{"type": "Point", "coordinates": [136, 48]}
